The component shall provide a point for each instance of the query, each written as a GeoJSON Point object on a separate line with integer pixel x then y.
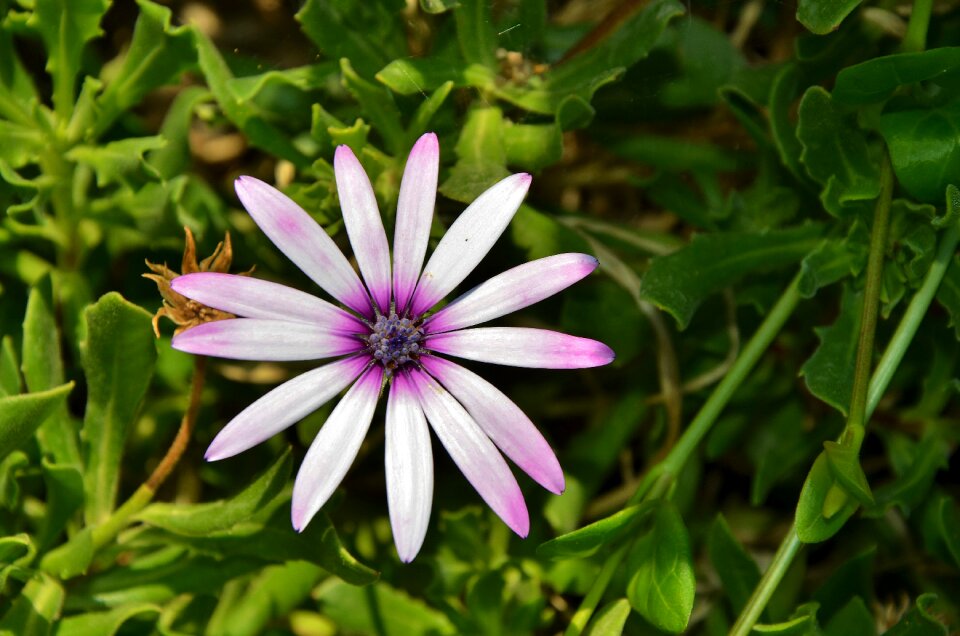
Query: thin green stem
{"type": "Point", "coordinates": [582, 616]}
{"type": "Point", "coordinates": [916, 38]}
{"type": "Point", "coordinates": [768, 584]}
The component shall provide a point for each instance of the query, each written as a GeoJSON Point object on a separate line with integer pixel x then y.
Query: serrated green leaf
{"type": "Point", "coordinates": [198, 520]}
{"type": "Point", "coordinates": [876, 79]}
{"type": "Point", "coordinates": [823, 16]}
{"type": "Point", "coordinates": [34, 612]}
{"type": "Point", "coordinates": [679, 282]}
{"type": "Point", "coordinates": [22, 415]}
{"type": "Point", "coordinates": [103, 623]}
{"type": "Point", "coordinates": [834, 260]}
{"type": "Point", "coordinates": [920, 620]}
{"type": "Point", "coordinates": [378, 104]}
{"type": "Point", "coordinates": [737, 570]}
{"type": "Point", "coordinates": [398, 614]}
{"type": "Point", "coordinates": [590, 538]}
{"type": "Point", "coordinates": [661, 583]}
{"type": "Point", "coordinates": [610, 619]}
{"type": "Point", "coordinates": [828, 373]}
{"type": "Point", "coordinates": [118, 358]}
{"type": "Point", "coordinates": [823, 507]}
{"type": "Point", "coordinates": [924, 149]}
{"type": "Point", "coordinates": [835, 154]}
{"type": "Point", "coordinates": [20, 144]}
{"type": "Point", "coordinates": [113, 162]}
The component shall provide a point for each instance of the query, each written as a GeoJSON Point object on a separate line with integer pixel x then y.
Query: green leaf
{"type": "Point", "coordinates": [65, 26]}
{"type": "Point", "coordinates": [854, 578]}
{"type": "Point", "coordinates": [835, 154]}
{"type": "Point", "coordinates": [737, 570]}
{"type": "Point", "coordinates": [475, 32]}
{"type": "Point", "coordinates": [588, 539]}
{"type": "Point", "coordinates": [948, 519]}
{"type": "Point", "coordinates": [834, 260]}
{"type": "Point", "coordinates": [823, 16]}
{"type": "Point", "coordinates": [10, 468]}
{"type": "Point", "coordinates": [174, 158]}
{"type": "Point", "coordinates": [369, 34]}
{"type": "Point", "coordinates": [780, 447]}
{"type": "Point", "coordinates": [380, 609]}
{"type": "Point", "coordinates": [610, 619]}
{"type": "Point", "coordinates": [533, 146]}
{"type": "Point", "coordinates": [377, 103]}
{"type": "Point", "coordinates": [412, 76]}
{"type": "Point", "coordinates": [828, 373]}
{"type": "Point", "coordinates": [198, 520]}
{"type": "Point", "coordinates": [708, 60]}
{"type": "Point", "coordinates": [823, 507]}
{"type": "Point", "coordinates": [438, 6]}
{"type": "Point", "coordinates": [802, 623]}
{"type": "Point", "coordinates": [65, 497]}
{"type": "Point", "coordinates": [924, 149]}
{"type": "Point", "coordinates": [876, 79]}
{"type": "Point", "coordinates": [158, 54]}
{"type": "Point", "coordinates": [844, 463]}
{"type": "Point", "coordinates": [114, 161]}
{"type": "Point", "coordinates": [661, 583]}
{"type": "Point", "coordinates": [17, 549]}
{"type": "Point", "coordinates": [118, 357]}
{"type": "Point", "coordinates": [680, 282]}
{"type": "Point", "coordinates": [104, 623]}
{"type": "Point", "coordinates": [420, 121]}
{"type": "Point", "coordinates": [9, 368]}
{"type": "Point", "coordinates": [35, 610]}
{"type": "Point", "coordinates": [674, 155]}
{"type": "Point", "coordinates": [783, 92]}
{"type": "Point", "coordinates": [72, 558]}
{"type": "Point", "coordinates": [915, 472]}
{"type": "Point", "coordinates": [920, 620]}
{"type": "Point", "coordinates": [481, 155]}
{"type": "Point", "coordinates": [19, 144]}
{"type": "Point", "coordinates": [22, 415]}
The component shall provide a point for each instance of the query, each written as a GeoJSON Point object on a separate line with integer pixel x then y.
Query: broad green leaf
{"type": "Point", "coordinates": [802, 623]}
{"type": "Point", "coordinates": [475, 32]}
{"type": "Point", "coordinates": [920, 620]}
{"type": "Point", "coordinates": [114, 161]}
{"type": "Point", "coordinates": [533, 146]}
{"type": "Point", "coordinates": [118, 358]}
{"type": "Point", "coordinates": [876, 79]}
{"type": "Point", "coordinates": [377, 103]}
{"type": "Point", "coordinates": [679, 282]}
{"type": "Point", "coordinates": [823, 507]}
{"type": "Point", "coordinates": [661, 583]}
{"type": "Point", "coordinates": [369, 34]}
{"type": "Point", "coordinates": [397, 613]}
{"type": "Point", "coordinates": [42, 368]}
{"type": "Point", "coordinates": [610, 620]}
{"type": "Point", "coordinates": [844, 463]}
{"type": "Point", "coordinates": [273, 594]}
{"type": "Point", "coordinates": [34, 612]}
{"type": "Point", "coordinates": [835, 154]}
{"type": "Point", "coordinates": [854, 619]}
{"type": "Point", "coordinates": [22, 415]}
{"type": "Point", "coordinates": [158, 54]}
{"type": "Point", "coordinates": [737, 570]}
{"type": "Point", "coordinates": [481, 155]}
{"type": "Point", "coordinates": [588, 539]}
{"type": "Point", "coordinates": [924, 149]}
{"type": "Point", "coordinates": [828, 373]}
{"type": "Point", "coordinates": [65, 27]}
{"type": "Point", "coordinates": [199, 520]}
{"type": "Point", "coordinates": [103, 623]}
{"type": "Point", "coordinates": [824, 16]}
{"type": "Point", "coordinates": [9, 368]}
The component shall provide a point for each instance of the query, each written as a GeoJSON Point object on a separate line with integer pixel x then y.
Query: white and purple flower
{"type": "Point", "coordinates": [387, 336]}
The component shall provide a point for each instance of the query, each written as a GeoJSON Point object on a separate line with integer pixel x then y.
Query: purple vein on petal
{"type": "Point", "coordinates": [284, 406]}
{"type": "Point", "coordinates": [468, 240]}
{"type": "Point", "coordinates": [418, 196]}
{"type": "Point", "coordinates": [409, 468]}
{"type": "Point", "coordinates": [334, 448]}
{"type": "Point", "coordinates": [255, 298]}
{"type": "Point", "coordinates": [473, 452]}
{"type": "Point", "coordinates": [522, 347]}
{"type": "Point", "coordinates": [514, 289]}
{"type": "Point", "coordinates": [259, 339]}
{"type": "Point", "coordinates": [502, 420]}
{"type": "Point", "coordinates": [364, 225]}
{"type": "Point", "coordinates": [304, 242]}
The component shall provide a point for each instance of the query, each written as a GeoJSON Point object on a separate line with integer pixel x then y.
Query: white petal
{"type": "Point", "coordinates": [283, 406]}
{"type": "Point", "coordinates": [409, 468]}
{"type": "Point", "coordinates": [334, 448]}
{"type": "Point", "coordinates": [477, 457]}
{"type": "Point", "coordinates": [364, 225]}
{"type": "Point", "coordinates": [502, 420]}
{"type": "Point", "coordinates": [522, 347]}
{"type": "Point", "coordinates": [514, 289]}
{"type": "Point", "coordinates": [418, 196]}
{"type": "Point", "coordinates": [259, 339]}
{"type": "Point", "coordinates": [304, 242]}
{"type": "Point", "coordinates": [468, 240]}
{"type": "Point", "coordinates": [255, 298]}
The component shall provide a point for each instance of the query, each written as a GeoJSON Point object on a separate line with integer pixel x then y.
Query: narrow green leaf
{"type": "Point", "coordinates": [783, 93]}
{"type": "Point", "coordinates": [174, 158]}
{"type": "Point", "coordinates": [17, 549]}
{"type": "Point", "coordinates": [114, 161]}
{"type": "Point", "coordinates": [661, 583]}
{"type": "Point", "coordinates": [679, 282]}
{"type": "Point", "coordinates": [610, 619]}
{"type": "Point", "coordinates": [920, 620]}
{"type": "Point", "coordinates": [377, 103]}
{"type": "Point", "coordinates": [876, 79]}
{"type": "Point", "coordinates": [65, 497]}
{"type": "Point", "coordinates": [10, 468]}
{"type": "Point", "coordinates": [478, 40]}
{"type": "Point", "coordinates": [420, 122]}
{"type": "Point", "coordinates": [588, 539]}
{"type": "Point", "coordinates": [118, 358]}
{"type": "Point", "coordinates": [202, 519]}
{"type": "Point", "coordinates": [104, 623]}
{"type": "Point", "coordinates": [34, 612]}
{"type": "Point", "coordinates": [737, 570]}
{"type": "Point", "coordinates": [22, 415]}
{"type": "Point", "coordinates": [802, 623]}
{"type": "Point", "coordinates": [275, 592]}
{"type": "Point", "coordinates": [9, 368]}
{"type": "Point", "coordinates": [820, 492]}
{"type": "Point", "coordinates": [828, 373]}
{"type": "Point", "coordinates": [823, 16]}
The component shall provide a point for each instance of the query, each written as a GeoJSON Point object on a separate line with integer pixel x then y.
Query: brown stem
{"type": "Point", "coordinates": [179, 445]}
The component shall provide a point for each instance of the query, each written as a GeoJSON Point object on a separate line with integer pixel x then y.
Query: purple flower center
{"type": "Point", "coordinates": [395, 341]}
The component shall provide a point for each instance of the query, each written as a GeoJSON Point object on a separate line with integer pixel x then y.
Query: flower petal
{"type": "Point", "coordinates": [259, 339]}
{"type": "Point", "coordinates": [512, 290]}
{"type": "Point", "coordinates": [481, 462]}
{"type": "Point", "coordinates": [409, 466]}
{"type": "Point", "coordinates": [468, 240]}
{"type": "Point", "coordinates": [256, 298]}
{"type": "Point", "coordinates": [304, 242]}
{"type": "Point", "coordinates": [364, 225]}
{"type": "Point", "coordinates": [334, 448]}
{"type": "Point", "coordinates": [522, 347]}
{"type": "Point", "coordinates": [418, 196]}
{"type": "Point", "coordinates": [283, 406]}
{"type": "Point", "coordinates": [502, 420]}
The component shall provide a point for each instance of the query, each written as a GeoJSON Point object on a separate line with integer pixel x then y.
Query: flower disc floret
{"type": "Point", "coordinates": [395, 341]}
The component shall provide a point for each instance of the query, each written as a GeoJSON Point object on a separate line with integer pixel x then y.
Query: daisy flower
{"type": "Point", "coordinates": [386, 336]}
